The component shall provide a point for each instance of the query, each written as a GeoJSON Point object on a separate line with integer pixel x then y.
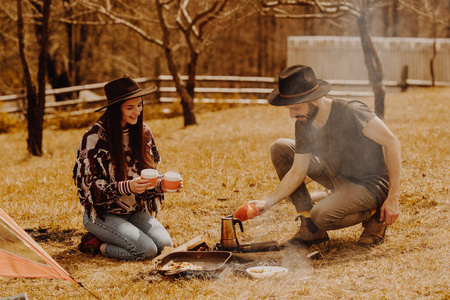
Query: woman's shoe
{"type": "Point", "coordinates": [90, 244]}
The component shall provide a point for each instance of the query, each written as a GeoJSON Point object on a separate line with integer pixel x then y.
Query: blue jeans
{"type": "Point", "coordinates": [130, 237]}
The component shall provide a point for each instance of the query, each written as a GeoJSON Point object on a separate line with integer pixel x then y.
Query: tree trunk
{"type": "Point", "coordinates": [261, 45]}
{"type": "Point", "coordinates": [373, 64]}
{"type": "Point", "coordinates": [385, 11]}
{"type": "Point", "coordinates": [394, 22]}
{"type": "Point", "coordinates": [35, 101]}
{"type": "Point", "coordinates": [31, 89]}
{"type": "Point", "coordinates": [433, 83]}
{"type": "Point", "coordinates": [185, 93]}
{"type": "Point", "coordinates": [77, 44]}
{"type": "Point", "coordinates": [187, 101]}
{"type": "Point", "coordinates": [432, 59]}
{"type": "Point", "coordinates": [58, 76]}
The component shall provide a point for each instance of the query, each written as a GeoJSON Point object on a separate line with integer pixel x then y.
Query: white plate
{"type": "Point", "coordinates": [266, 271]}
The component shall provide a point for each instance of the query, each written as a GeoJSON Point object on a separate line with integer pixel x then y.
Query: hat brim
{"type": "Point", "coordinates": [276, 100]}
{"type": "Point", "coordinates": [140, 93]}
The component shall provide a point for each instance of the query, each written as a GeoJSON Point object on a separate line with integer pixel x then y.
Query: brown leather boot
{"type": "Point", "coordinates": [374, 231]}
{"type": "Point", "coordinates": [308, 233]}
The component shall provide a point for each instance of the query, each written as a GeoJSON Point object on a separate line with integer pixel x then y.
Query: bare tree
{"type": "Point", "coordinates": [77, 35]}
{"type": "Point", "coordinates": [185, 28]}
{"type": "Point", "coordinates": [35, 100]}
{"type": "Point", "coordinates": [333, 10]}
{"type": "Point", "coordinates": [434, 12]}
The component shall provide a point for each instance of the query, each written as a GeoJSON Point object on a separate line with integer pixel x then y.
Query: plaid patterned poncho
{"type": "Point", "coordinates": [93, 174]}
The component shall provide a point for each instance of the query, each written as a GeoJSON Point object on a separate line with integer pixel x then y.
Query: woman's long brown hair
{"type": "Point", "coordinates": [114, 134]}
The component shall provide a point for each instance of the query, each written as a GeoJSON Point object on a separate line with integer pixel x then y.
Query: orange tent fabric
{"type": "Point", "coordinates": [21, 256]}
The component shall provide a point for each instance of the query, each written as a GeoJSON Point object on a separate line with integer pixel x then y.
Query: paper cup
{"type": "Point", "coordinates": [172, 181]}
{"type": "Point", "coordinates": [152, 176]}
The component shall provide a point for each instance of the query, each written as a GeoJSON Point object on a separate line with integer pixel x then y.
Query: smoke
{"type": "Point", "coordinates": [235, 283]}
{"type": "Point", "coordinates": [296, 261]}
{"type": "Point", "coordinates": [269, 227]}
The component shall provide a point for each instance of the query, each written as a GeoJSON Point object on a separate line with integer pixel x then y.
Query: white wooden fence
{"type": "Point", "coordinates": [342, 58]}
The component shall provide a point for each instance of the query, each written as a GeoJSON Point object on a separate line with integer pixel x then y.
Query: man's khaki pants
{"type": "Point", "coordinates": [348, 203]}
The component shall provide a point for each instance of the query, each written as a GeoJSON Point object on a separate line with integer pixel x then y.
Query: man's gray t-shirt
{"type": "Point", "coordinates": [343, 147]}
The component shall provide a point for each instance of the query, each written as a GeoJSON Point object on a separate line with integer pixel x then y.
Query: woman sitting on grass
{"type": "Point", "coordinates": [118, 204]}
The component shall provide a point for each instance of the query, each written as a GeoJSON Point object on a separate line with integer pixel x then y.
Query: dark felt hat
{"type": "Point", "coordinates": [124, 88]}
{"type": "Point", "coordinates": [298, 84]}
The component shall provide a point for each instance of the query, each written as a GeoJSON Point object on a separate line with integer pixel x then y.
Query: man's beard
{"type": "Point", "coordinates": [312, 112]}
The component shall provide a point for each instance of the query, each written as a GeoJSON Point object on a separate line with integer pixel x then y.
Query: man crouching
{"type": "Point", "coordinates": [343, 146]}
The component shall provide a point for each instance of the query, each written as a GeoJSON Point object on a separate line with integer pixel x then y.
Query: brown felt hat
{"type": "Point", "coordinates": [124, 88]}
{"type": "Point", "coordinates": [298, 84]}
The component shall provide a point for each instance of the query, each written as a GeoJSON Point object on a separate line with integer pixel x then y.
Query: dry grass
{"type": "Point", "coordinates": [224, 161]}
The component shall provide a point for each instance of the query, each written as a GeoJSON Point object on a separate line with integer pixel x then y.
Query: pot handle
{"type": "Point", "coordinates": [236, 220]}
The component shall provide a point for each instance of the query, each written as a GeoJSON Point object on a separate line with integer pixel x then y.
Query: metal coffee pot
{"type": "Point", "coordinates": [228, 239]}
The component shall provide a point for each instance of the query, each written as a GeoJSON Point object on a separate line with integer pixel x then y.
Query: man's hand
{"type": "Point", "coordinates": [260, 204]}
{"type": "Point", "coordinates": [290, 182]}
{"type": "Point", "coordinates": [389, 212]}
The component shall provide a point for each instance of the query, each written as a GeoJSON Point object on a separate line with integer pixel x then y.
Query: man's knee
{"type": "Point", "coordinates": [323, 218]}
{"type": "Point", "coordinates": [281, 148]}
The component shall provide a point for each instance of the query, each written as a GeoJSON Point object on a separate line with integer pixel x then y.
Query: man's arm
{"type": "Point", "coordinates": [377, 131]}
{"type": "Point", "coordinates": [290, 182]}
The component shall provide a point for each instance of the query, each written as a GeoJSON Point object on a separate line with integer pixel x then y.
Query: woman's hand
{"type": "Point", "coordinates": [139, 185]}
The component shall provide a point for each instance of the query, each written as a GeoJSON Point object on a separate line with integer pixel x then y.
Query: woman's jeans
{"type": "Point", "coordinates": [134, 236]}
{"type": "Point", "coordinates": [348, 203]}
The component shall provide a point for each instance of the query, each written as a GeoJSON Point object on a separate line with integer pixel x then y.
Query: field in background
{"type": "Point", "coordinates": [224, 161]}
